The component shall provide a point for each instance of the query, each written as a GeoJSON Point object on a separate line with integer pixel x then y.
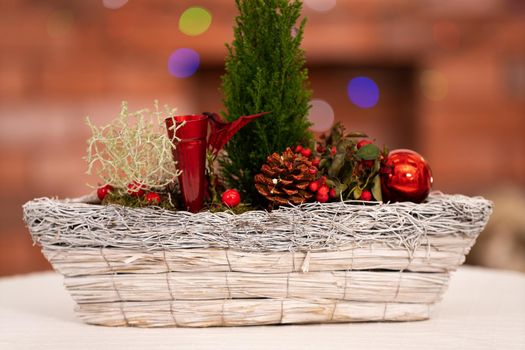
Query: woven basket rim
{"type": "Point", "coordinates": [309, 227]}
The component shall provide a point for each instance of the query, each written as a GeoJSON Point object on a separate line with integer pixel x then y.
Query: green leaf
{"type": "Point", "coordinates": [337, 164]}
{"type": "Point", "coordinates": [377, 165]}
{"type": "Point", "coordinates": [368, 152]}
{"type": "Point", "coordinates": [357, 192]}
{"type": "Point", "coordinates": [340, 188]}
{"type": "Point", "coordinates": [323, 163]}
{"type": "Point", "coordinates": [331, 183]}
{"type": "Point", "coordinates": [356, 134]}
{"type": "Point", "coordinates": [376, 189]}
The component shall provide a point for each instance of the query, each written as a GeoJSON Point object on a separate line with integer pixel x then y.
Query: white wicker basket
{"type": "Point", "coordinates": [314, 263]}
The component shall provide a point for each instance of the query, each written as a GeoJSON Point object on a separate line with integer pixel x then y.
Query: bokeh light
{"type": "Point", "coordinates": [363, 92]}
{"type": "Point", "coordinates": [434, 85]}
{"type": "Point", "coordinates": [321, 115]}
{"type": "Point", "coordinates": [59, 23]}
{"type": "Point", "coordinates": [183, 63]}
{"type": "Point", "coordinates": [114, 4]}
{"type": "Point", "coordinates": [195, 21]}
{"type": "Point", "coordinates": [320, 5]}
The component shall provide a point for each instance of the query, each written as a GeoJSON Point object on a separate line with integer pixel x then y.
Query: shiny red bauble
{"type": "Point", "coordinates": [231, 198]}
{"type": "Point", "coordinates": [405, 177]}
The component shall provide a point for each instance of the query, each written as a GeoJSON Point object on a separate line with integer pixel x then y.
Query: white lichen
{"type": "Point", "coordinates": [134, 147]}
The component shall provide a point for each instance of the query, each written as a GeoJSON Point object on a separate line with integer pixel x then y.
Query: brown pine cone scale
{"type": "Point", "coordinates": [284, 178]}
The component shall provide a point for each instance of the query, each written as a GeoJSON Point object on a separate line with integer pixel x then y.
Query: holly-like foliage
{"type": "Point", "coordinates": [351, 164]}
{"type": "Point", "coordinates": [264, 73]}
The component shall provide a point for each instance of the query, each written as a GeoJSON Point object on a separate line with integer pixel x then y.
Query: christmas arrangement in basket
{"type": "Point", "coordinates": [245, 218]}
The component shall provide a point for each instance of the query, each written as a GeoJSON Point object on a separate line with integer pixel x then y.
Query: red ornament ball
{"type": "Point", "coordinates": [103, 191]}
{"type": "Point", "coordinates": [405, 177]}
{"type": "Point", "coordinates": [231, 198]}
{"type": "Point", "coordinates": [153, 198]}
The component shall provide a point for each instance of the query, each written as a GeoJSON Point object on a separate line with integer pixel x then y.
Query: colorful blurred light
{"type": "Point", "coordinates": [320, 5]}
{"type": "Point", "coordinates": [195, 21]}
{"type": "Point", "coordinates": [363, 92]}
{"type": "Point", "coordinates": [434, 85]}
{"type": "Point", "coordinates": [321, 115]}
{"type": "Point", "coordinates": [183, 63]}
{"type": "Point", "coordinates": [114, 4]}
{"type": "Point", "coordinates": [59, 23]}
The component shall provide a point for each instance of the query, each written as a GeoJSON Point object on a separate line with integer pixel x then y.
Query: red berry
{"type": "Point", "coordinates": [314, 186]}
{"type": "Point", "coordinates": [333, 193]}
{"type": "Point", "coordinates": [231, 198]}
{"type": "Point", "coordinates": [333, 150]}
{"type": "Point", "coordinates": [321, 197]}
{"type": "Point", "coordinates": [298, 149]}
{"type": "Point", "coordinates": [366, 196]}
{"type": "Point", "coordinates": [135, 189]}
{"type": "Point", "coordinates": [306, 152]}
{"type": "Point", "coordinates": [316, 162]}
{"type": "Point", "coordinates": [103, 191]}
{"type": "Point", "coordinates": [363, 143]}
{"type": "Point", "coordinates": [323, 189]}
{"type": "Point", "coordinates": [367, 163]}
{"type": "Point", "coordinates": [153, 198]}
{"type": "Point", "coordinates": [321, 149]}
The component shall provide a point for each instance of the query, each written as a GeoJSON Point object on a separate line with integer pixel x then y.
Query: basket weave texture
{"type": "Point", "coordinates": [337, 262]}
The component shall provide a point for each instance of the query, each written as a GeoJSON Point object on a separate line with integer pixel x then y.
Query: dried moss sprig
{"type": "Point", "coordinates": [133, 148]}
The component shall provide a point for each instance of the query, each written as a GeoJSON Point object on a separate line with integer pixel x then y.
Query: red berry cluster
{"type": "Point", "coordinates": [135, 189]}
{"type": "Point", "coordinates": [319, 187]}
{"type": "Point", "coordinates": [307, 152]}
{"type": "Point", "coordinates": [322, 190]}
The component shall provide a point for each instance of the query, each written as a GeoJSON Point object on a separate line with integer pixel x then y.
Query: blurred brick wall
{"type": "Point", "coordinates": [63, 60]}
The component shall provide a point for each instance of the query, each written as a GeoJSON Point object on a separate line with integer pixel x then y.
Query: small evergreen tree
{"type": "Point", "coordinates": [265, 71]}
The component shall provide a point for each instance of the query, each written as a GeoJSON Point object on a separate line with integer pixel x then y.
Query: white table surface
{"type": "Point", "coordinates": [483, 309]}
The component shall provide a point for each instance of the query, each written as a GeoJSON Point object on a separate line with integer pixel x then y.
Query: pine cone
{"type": "Point", "coordinates": [285, 178]}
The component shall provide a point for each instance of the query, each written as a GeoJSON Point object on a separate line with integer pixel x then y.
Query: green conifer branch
{"type": "Point", "coordinates": [265, 71]}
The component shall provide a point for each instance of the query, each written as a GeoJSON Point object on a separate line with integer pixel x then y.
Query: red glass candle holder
{"type": "Point", "coordinates": [190, 154]}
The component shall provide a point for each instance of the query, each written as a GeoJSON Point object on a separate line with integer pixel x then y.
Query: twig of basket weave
{"type": "Point", "coordinates": [309, 227]}
{"type": "Point", "coordinates": [243, 312]}
{"type": "Point", "coordinates": [372, 286]}
{"type": "Point", "coordinates": [443, 254]}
